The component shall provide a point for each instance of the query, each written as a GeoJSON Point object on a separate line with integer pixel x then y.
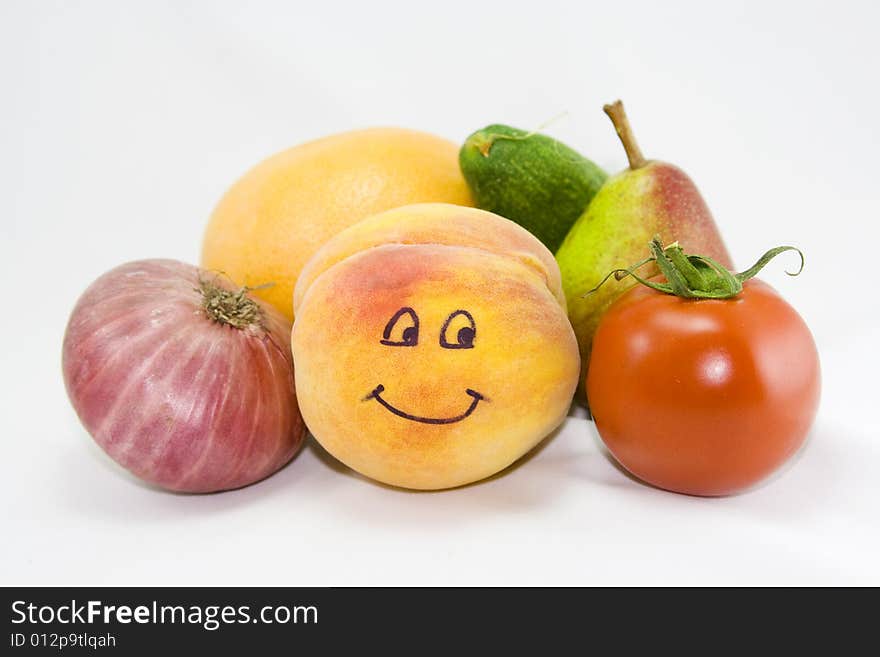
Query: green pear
{"type": "Point", "coordinates": [650, 198]}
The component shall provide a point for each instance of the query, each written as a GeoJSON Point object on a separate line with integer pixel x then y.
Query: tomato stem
{"type": "Point", "coordinates": [695, 276]}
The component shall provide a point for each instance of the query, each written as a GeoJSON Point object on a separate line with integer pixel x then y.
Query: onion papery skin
{"type": "Point", "coordinates": [182, 401]}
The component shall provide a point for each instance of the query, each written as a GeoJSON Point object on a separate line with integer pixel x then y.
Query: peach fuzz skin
{"type": "Point", "coordinates": [437, 223]}
{"type": "Point", "coordinates": [443, 416]}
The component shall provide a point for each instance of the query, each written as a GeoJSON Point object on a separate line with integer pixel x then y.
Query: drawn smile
{"type": "Point", "coordinates": [377, 392]}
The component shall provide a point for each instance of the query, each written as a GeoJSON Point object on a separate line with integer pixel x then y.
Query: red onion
{"type": "Point", "coordinates": [181, 378]}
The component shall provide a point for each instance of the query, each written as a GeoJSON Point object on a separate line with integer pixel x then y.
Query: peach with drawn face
{"type": "Point", "coordinates": [432, 346]}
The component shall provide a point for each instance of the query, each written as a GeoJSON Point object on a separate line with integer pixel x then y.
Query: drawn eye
{"type": "Point", "coordinates": [461, 325]}
{"type": "Point", "coordinates": [402, 330]}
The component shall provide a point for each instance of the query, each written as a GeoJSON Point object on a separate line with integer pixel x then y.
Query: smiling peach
{"type": "Point", "coordinates": [432, 347]}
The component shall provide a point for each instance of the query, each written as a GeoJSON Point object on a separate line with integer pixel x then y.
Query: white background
{"type": "Point", "coordinates": [122, 123]}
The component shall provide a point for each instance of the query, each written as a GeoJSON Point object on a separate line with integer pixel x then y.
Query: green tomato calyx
{"type": "Point", "coordinates": [695, 276]}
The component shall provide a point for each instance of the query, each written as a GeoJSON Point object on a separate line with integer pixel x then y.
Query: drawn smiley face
{"type": "Point", "coordinates": [402, 330]}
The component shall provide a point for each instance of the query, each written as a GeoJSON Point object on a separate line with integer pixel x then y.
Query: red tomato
{"type": "Point", "coordinates": [704, 397]}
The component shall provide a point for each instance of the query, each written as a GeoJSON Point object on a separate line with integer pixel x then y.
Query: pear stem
{"type": "Point", "coordinates": [617, 115]}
